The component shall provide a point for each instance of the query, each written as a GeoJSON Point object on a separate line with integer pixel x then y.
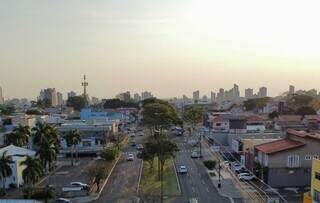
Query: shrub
{"type": "Point", "coordinates": [109, 154]}
{"type": "Point", "coordinates": [13, 185]}
{"type": "Point", "coordinates": [210, 164]}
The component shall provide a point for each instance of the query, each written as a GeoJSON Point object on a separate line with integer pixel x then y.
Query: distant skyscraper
{"type": "Point", "coordinates": [291, 89]}
{"type": "Point", "coordinates": [1, 96]}
{"type": "Point", "coordinates": [221, 95]}
{"type": "Point", "coordinates": [196, 96]}
{"type": "Point", "coordinates": [146, 95]}
{"type": "Point", "coordinates": [263, 92]}
{"type": "Point", "coordinates": [71, 94]}
{"type": "Point", "coordinates": [213, 96]}
{"type": "Point", "coordinates": [248, 93]}
{"type": "Point", "coordinates": [49, 94]}
{"type": "Point", "coordinates": [59, 99]}
{"type": "Point", "coordinates": [236, 92]}
{"type": "Point", "coordinates": [136, 97]}
{"type": "Point", "coordinates": [125, 96]}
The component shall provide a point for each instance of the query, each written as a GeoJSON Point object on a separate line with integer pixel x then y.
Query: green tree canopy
{"type": "Point", "coordinates": [19, 137]}
{"type": "Point", "coordinates": [33, 171]}
{"type": "Point", "coordinates": [77, 102]}
{"type": "Point", "coordinates": [255, 104]}
{"type": "Point", "coordinates": [306, 110]}
{"type": "Point", "coordinates": [117, 103]}
{"type": "Point", "coordinates": [193, 115]}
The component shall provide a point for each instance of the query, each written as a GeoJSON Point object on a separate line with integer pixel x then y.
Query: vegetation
{"type": "Point", "coordinates": [45, 194]}
{"type": "Point", "coordinates": [73, 138]}
{"type": "Point", "coordinates": [34, 112]}
{"type": "Point", "coordinates": [255, 104]}
{"type": "Point", "coordinates": [210, 164]}
{"type": "Point", "coordinates": [45, 103]}
{"type": "Point", "coordinates": [96, 173]}
{"type": "Point", "coordinates": [33, 171]}
{"type": "Point", "coordinates": [305, 110]}
{"type": "Point", "coordinates": [273, 115]}
{"type": "Point", "coordinates": [109, 154]}
{"type": "Point", "coordinates": [117, 103]}
{"type": "Point", "coordinates": [193, 115]}
{"type": "Point", "coordinates": [19, 136]}
{"type": "Point", "coordinates": [5, 169]}
{"type": "Point", "coordinates": [77, 102]}
{"type": "Point", "coordinates": [46, 141]}
{"type": "Point", "coordinates": [6, 109]}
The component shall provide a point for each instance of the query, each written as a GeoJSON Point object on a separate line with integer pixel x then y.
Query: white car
{"type": "Point", "coordinates": [130, 157]}
{"type": "Point", "coordinates": [62, 200]}
{"type": "Point", "coordinates": [245, 177]}
{"type": "Point", "coordinates": [79, 184]}
{"type": "Point", "coordinates": [183, 169]}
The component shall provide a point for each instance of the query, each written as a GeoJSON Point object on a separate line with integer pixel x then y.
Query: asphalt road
{"type": "Point", "coordinates": [195, 184]}
{"type": "Point", "coordinates": [123, 182]}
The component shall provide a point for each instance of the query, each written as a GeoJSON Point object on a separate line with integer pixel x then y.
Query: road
{"type": "Point", "coordinates": [123, 182]}
{"type": "Point", "coordinates": [197, 183]}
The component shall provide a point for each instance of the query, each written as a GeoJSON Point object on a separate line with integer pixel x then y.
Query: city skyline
{"type": "Point", "coordinates": [168, 47]}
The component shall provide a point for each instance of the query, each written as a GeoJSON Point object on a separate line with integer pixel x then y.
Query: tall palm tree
{"type": "Point", "coordinates": [47, 152]}
{"type": "Point", "coordinates": [33, 171]}
{"type": "Point", "coordinates": [5, 169]}
{"type": "Point", "coordinates": [73, 138]}
{"type": "Point", "coordinates": [19, 137]}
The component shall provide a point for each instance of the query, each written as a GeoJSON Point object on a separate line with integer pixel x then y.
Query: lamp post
{"type": "Point", "coordinates": [219, 171]}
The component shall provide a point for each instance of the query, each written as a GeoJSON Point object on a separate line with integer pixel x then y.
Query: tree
{"type": "Point", "coordinates": [165, 150]}
{"type": "Point", "coordinates": [96, 173]}
{"type": "Point", "coordinates": [306, 110]}
{"type": "Point", "coordinates": [193, 115]}
{"type": "Point", "coordinates": [34, 112]}
{"type": "Point", "coordinates": [5, 169]}
{"type": "Point", "coordinates": [33, 171]}
{"type": "Point", "coordinates": [19, 137]}
{"type": "Point", "coordinates": [148, 154]}
{"type": "Point", "coordinates": [6, 109]}
{"type": "Point", "coordinates": [77, 102]}
{"type": "Point", "coordinates": [109, 154]}
{"type": "Point", "coordinates": [73, 138]}
{"type": "Point", "coordinates": [255, 104]}
{"type": "Point", "coordinates": [117, 103]}
{"type": "Point", "coordinates": [210, 164]}
{"type": "Point", "coordinates": [47, 152]}
{"type": "Point", "coordinates": [273, 115]}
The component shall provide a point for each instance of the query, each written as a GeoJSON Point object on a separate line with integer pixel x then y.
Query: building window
{"type": "Point", "coordinates": [293, 161]}
{"type": "Point", "coordinates": [317, 175]}
{"type": "Point", "coordinates": [315, 157]}
{"type": "Point", "coordinates": [308, 157]}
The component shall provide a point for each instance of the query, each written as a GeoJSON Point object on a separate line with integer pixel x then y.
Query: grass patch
{"type": "Point", "coordinates": [150, 185]}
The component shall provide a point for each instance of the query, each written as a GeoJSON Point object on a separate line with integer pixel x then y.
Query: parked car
{"type": "Point", "coordinates": [245, 177]}
{"type": "Point", "coordinates": [130, 157]}
{"type": "Point", "coordinates": [62, 200]}
{"type": "Point", "coordinates": [133, 143]}
{"type": "Point", "coordinates": [242, 170]}
{"type": "Point", "coordinates": [79, 184]}
{"type": "Point", "coordinates": [183, 169]}
{"type": "Point", "coordinates": [235, 166]}
{"type": "Point", "coordinates": [132, 135]}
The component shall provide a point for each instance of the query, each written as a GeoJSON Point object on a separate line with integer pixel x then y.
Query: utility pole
{"type": "Point", "coordinates": [219, 183]}
{"type": "Point", "coordinates": [200, 144]}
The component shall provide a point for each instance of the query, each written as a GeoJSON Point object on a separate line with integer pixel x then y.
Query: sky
{"type": "Point", "coordinates": [169, 47]}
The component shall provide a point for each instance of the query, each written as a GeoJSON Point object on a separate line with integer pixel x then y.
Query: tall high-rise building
{"type": "Point", "coordinates": [146, 95]}
{"type": "Point", "coordinates": [196, 96]}
{"type": "Point", "coordinates": [50, 95]}
{"type": "Point", "coordinates": [236, 92]}
{"type": "Point", "coordinates": [136, 97]}
{"type": "Point", "coordinates": [59, 99]}
{"type": "Point", "coordinates": [213, 96]}
{"type": "Point", "coordinates": [125, 96]}
{"type": "Point", "coordinates": [71, 94]}
{"type": "Point", "coordinates": [248, 93]}
{"type": "Point", "coordinates": [263, 92]}
{"type": "Point", "coordinates": [291, 89]}
{"type": "Point", "coordinates": [220, 95]}
{"type": "Point", "coordinates": [1, 96]}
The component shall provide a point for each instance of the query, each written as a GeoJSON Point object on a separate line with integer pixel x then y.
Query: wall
{"type": "Point", "coordinates": [283, 177]}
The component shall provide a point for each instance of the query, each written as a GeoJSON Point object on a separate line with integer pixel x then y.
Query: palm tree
{"type": "Point", "coordinates": [42, 131]}
{"type": "Point", "coordinates": [33, 171]}
{"type": "Point", "coordinates": [19, 137]}
{"type": "Point", "coordinates": [73, 138]}
{"type": "Point", "coordinates": [5, 169]}
{"type": "Point", "coordinates": [47, 152]}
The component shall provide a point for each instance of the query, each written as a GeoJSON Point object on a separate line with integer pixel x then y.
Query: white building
{"type": "Point", "coordinates": [18, 155]}
{"type": "Point", "coordinates": [1, 96]}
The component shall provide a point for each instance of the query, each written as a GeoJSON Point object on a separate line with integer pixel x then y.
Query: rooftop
{"type": "Point", "coordinates": [279, 145]}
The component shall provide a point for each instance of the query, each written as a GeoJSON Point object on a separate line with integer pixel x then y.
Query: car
{"type": "Point", "coordinates": [235, 166]}
{"type": "Point", "coordinates": [132, 135]}
{"type": "Point", "coordinates": [195, 154]}
{"type": "Point", "coordinates": [193, 200]}
{"type": "Point", "coordinates": [62, 200]}
{"type": "Point", "coordinates": [242, 170]}
{"type": "Point", "coordinates": [140, 147]}
{"type": "Point", "coordinates": [130, 157]}
{"type": "Point", "coordinates": [79, 184]}
{"type": "Point", "coordinates": [133, 144]}
{"type": "Point", "coordinates": [245, 177]}
{"type": "Point", "coordinates": [183, 169]}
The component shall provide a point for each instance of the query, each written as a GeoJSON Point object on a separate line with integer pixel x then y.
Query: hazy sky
{"type": "Point", "coordinates": [170, 47]}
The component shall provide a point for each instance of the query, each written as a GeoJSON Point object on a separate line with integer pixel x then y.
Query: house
{"type": "Point", "coordinates": [255, 124]}
{"type": "Point", "coordinates": [287, 162]}
{"type": "Point", "coordinates": [18, 155]}
{"type": "Point", "coordinates": [219, 124]}
{"type": "Point", "coordinates": [284, 122]}
{"type": "Point", "coordinates": [314, 194]}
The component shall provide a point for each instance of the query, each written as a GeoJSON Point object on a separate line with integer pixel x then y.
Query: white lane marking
{"type": "Point", "coordinates": [231, 200]}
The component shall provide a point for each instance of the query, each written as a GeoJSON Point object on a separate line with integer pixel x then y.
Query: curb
{"type": "Point", "coordinates": [140, 174]}
{"type": "Point", "coordinates": [175, 171]}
